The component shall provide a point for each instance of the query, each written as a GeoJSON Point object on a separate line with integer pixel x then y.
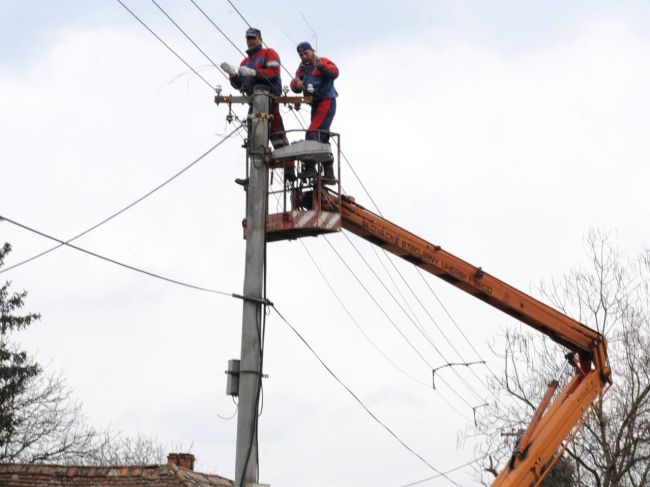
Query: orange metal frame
{"type": "Point", "coordinates": [554, 423]}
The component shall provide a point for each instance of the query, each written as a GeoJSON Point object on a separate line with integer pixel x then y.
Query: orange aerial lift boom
{"type": "Point", "coordinates": [307, 208]}
{"type": "Point", "coordinates": [555, 422]}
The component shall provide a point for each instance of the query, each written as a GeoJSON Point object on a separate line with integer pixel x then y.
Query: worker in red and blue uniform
{"type": "Point", "coordinates": [261, 66]}
{"type": "Point", "coordinates": [315, 76]}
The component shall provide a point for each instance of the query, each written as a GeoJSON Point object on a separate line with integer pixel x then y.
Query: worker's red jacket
{"type": "Point", "coordinates": [266, 63]}
{"type": "Point", "coordinates": [320, 77]}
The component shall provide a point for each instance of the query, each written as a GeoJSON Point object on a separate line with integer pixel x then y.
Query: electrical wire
{"type": "Point", "coordinates": [444, 335]}
{"type": "Point", "coordinates": [390, 276]}
{"type": "Point", "coordinates": [356, 323]}
{"type": "Point", "coordinates": [113, 261]}
{"type": "Point", "coordinates": [165, 44]}
{"type": "Point", "coordinates": [460, 330]}
{"type": "Point", "coordinates": [359, 401]}
{"type": "Point", "coordinates": [363, 332]}
{"type": "Point", "coordinates": [451, 406]}
{"type": "Point", "coordinates": [413, 347]}
{"type": "Point", "coordinates": [190, 39]}
{"type": "Point", "coordinates": [239, 13]}
{"type": "Point", "coordinates": [401, 332]}
{"type": "Point", "coordinates": [218, 28]}
{"type": "Point", "coordinates": [452, 470]}
{"type": "Point", "coordinates": [431, 290]}
{"type": "Point", "coordinates": [127, 207]}
{"type": "Point", "coordinates": [419, 328]}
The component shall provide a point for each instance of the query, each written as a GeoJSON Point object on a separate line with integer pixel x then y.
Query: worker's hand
{"type": "Point", "coordinates": [231, 70]}
{"type": "Point", "coordinates": [245, 71]}
{"type": "Point", "coordinates": [316, 61]}
{"type": "Point", "coordinates": [299, 84]}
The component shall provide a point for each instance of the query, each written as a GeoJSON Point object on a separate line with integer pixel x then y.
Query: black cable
{"type": "Point", "coordinates": [165, 44]}
{"type": "Point", "coordinates": [419, 328]}
{"type": "Point", "coordinates": [460, 330]}
{"type": "Point", "coordinates": [359, 401]}
{"type": "Point", "coordinates": [239, 13]}
{"type": "Point", "coordinates": [347, 311]}
{"type": "Point", "coordinates": [392, 322]}
{"type": "Point", "coordinates": [127, 207]}
{"type": "Point", "coordinates": [413, 347]}
{"type": "Point", "coordinates": [420, 272]}
{"type": "Point", "coordinates": [435, 323]}
{"type": "Point", "coordinates": [190, 39]}
{"type": "Point", "coordinates": [451, 470]}
{"type": "Point", "coordinates": [113, 261]}
{"type": "Point", "coordinates": [361, 183]}
{"type": "Point", "coordinates": [217, 27]}
{"type": "Point", "coordinates": [390, 276]}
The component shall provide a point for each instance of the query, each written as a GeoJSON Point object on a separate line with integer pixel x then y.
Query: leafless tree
{"type": "Point", "coordinates": [52, 428]}
{"type": "Point", "coordinates": [40, 420]}
{"type": "Point", "coordinates": [611, 294]}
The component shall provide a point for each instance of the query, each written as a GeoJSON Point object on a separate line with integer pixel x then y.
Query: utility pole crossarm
{"type": "Point", "coordinates": [292, 100]}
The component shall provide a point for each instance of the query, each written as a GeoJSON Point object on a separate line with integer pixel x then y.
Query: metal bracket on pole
{"type": "Point", "coordinates": [286, 100]}
{"type": "Point", "coordinates": [252, 299]}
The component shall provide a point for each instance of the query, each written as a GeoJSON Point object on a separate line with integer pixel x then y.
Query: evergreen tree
{"type": "Point", "coordinates": [16, 368]}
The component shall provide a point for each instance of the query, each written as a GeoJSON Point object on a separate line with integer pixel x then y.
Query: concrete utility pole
{"type": "Point", "coordinates": [250, 374]}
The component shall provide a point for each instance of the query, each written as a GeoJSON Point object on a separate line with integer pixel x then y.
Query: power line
{"type": "Point", "coordinates": [390, 276]}
{"type": "Point", "coordinates": [456, 325]}
{"type": "Point", "coordinates": [359, 401]}
{"type": "Point", "coordinates": [420, 272]}
{"type": "Point", "coordinates": [413, 347]}
{"type": "Point", "coordinates": [392, 322]}
{"type": "Point", "coordinates": [218, 28]}
{"type": "Point", "coordinates": [189, 38]}
{"type": "Point", "coordinates": [422, 276]}
{"type": "Point", "coordinates": [471, 462]}
{"type": "Point", "coordinates": [239, 13]}
{"type": "Point", "coordinates": [481, 381]}
{"type": "Point", "coordinates": [127, 207]}
{"type": "Point", "coordinates": [347, 311]}
{"type": "Point", "coordinates": [419, 328]}
{"type": "Point", "coordinates": [451, 406]}
{"type": "Point", "coordinates": [121, 264]}
{"type": "Point", "coordinates": [165, 44]}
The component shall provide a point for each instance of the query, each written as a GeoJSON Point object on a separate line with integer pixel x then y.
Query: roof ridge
{"type": "Point", "coordinates": [76, 465]}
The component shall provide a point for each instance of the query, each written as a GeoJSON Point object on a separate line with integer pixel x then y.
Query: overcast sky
{"type": "Point", "coordinates": [502, 131]}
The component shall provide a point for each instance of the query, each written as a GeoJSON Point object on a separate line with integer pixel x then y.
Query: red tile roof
{"type": "Point", "coordinates": [31, 475]}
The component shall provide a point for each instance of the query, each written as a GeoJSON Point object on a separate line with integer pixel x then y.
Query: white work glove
{"type": "Point", "coordinates": [244, 71]}
{"type": "Point", "coordinates": [229, 68]}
